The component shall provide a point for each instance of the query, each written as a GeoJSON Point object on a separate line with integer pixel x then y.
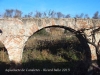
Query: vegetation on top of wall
{"type": "Point", "coordinates": [15, 13]}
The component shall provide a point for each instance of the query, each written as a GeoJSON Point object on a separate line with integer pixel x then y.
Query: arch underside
{"type": "Point", "coordinates": [78, 34]}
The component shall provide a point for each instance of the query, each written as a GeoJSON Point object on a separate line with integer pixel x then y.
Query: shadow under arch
{"type": "Point", "coordinates": [4, 60]}
{"type": "Point", "coordinates": [4, 50]}
{"type": "Point", "coordinates": [82, 40]}
{"type": "Point", "coordinates": [81, 37]}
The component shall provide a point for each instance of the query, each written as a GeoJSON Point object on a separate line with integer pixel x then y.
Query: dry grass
{"type": "Point", "coordinates": [4, 55]}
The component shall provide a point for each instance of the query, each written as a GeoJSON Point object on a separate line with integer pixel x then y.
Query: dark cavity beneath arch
{"type": "Point", "coordinates": [82, 40]}
{"type": "Point", "coordinates": [80, 37]}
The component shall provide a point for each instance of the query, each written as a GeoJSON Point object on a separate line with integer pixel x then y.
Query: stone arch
{"type": "Point", "coordinates": [80, 37]}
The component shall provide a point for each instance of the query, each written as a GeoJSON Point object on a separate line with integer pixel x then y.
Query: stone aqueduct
{"type": "Point", "coordinates": [15, 32]}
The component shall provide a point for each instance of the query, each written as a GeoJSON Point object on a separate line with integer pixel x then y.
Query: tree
{"type": "Point", "coordinates": [18, 13]}
{"type": "Point", "coordinates": [8, 13]}
{"type": "Point", "coordinates": [0, 15]}
{"type": "Point", "coordinates": [86, 16]}
{"type": "Point", "coordinates": [60, 15]}
{"type": "Point", "coordinates": [96, 15]}
{"type": "Point", "coordinates": [79, 16]}
{"type": "Point", "coordinates": [25, 16]}
{"type": "Point", "coordinates": [44, 14]}
{"type": "Point", "coordinates": [67, 16]}
{"type": "Point", "coordinates": [30, 14]}
{"type": "Point", "coordinates": [38, 14]}
{"type": "Point", "coordinates": [52, 14]}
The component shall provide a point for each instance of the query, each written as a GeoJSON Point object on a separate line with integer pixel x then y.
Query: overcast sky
{"type": "Point", "coordinates": [72, 7]}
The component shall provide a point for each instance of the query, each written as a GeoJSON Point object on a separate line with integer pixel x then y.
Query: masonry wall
{"type": "Point", "coordinates": [14, 32]}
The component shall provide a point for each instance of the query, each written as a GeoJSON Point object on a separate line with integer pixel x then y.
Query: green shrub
{"type": "Point", "coordinates": [42, 33]}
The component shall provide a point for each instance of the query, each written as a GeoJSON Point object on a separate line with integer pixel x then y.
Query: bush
{"type": "Point", "coordinates": [42, 33]}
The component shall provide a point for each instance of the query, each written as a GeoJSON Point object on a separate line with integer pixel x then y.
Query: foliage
{"type": "Point", "coordinates": [96, 15]}
{"type": "Point", "coordinates": [52, 49]}
{"type": "Point", "coordinates": [12, 13]}
{"type": "Point", "coordinates": [42, 32]}
{"type": "Point", "coordinates": [15, 13]}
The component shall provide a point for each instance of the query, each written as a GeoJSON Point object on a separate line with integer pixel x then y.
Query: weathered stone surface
{"type": "Point", "coordinates": [15, 32]}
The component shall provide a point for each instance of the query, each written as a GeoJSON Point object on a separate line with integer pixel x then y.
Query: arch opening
{"type": "Point", "coordinates": [70, 46]}
{"type": "Point", "coordinates": [3, 53]}
{"type": "Point", "coordinates": [4, 60]}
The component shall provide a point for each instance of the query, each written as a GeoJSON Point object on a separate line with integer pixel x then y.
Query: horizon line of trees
{"type": "Point", "coordinates": [15, 13]}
